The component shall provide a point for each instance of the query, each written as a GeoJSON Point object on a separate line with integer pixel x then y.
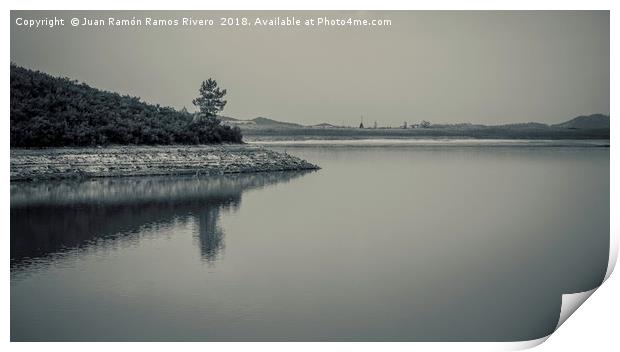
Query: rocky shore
{"type": "Point", "coordinates": [59, 163]}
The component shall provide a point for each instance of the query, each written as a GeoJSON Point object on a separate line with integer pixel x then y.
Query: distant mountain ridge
{"type": "Point", "coordinates": [324, 125]}
{"type": "Point", "coordinates": [525, 125]}
{"type": "Point", "coordinates": [594, 121]}
{"type": "Point", "coordinates": [259, 122]}
{"type": "Point", "coordinates": [583, 122]}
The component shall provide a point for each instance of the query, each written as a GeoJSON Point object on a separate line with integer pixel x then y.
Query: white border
{"type": "Point", "coordinates": [595, 325]}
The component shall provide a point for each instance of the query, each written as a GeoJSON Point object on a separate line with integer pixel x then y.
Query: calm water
{"type": "Point", "coordinates": [384, 243]}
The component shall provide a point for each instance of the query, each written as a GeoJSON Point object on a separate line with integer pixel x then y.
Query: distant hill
{"type": "Point", "coordinates": [586, 122]}
{"type": "Point", "coordinates": [259, 122]}
{"type": "Point", "coordinates": [324, 125]}
{"type": "Point", "coordinates": [263, 121]}
{"type": "Point", "coordinates": [525, 125]}
{"type": "Point", "coordinates": [49, 111]}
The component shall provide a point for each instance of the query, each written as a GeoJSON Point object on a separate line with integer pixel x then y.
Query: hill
{"type": "Point", "coordinates": [525, 125]}
{"type": "Point", "coordinates": [260, 122]}
{"type": "Point", "coordinates": [324, 125]}
{"type": "Point", "coordinates": [49, 111]}
{"type": "Point", "coordinates": [586, 122]}
{"type": "Point", "coordinates": [265, 122]}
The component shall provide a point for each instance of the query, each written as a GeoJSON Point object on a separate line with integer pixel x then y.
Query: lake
{"type": "Point", "coordinates": [387, 242]}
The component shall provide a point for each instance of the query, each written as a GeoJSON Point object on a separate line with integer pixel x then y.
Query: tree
{"type": "Point", "coordinates": [210, 101]}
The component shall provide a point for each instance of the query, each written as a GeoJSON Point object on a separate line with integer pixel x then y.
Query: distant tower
{"type": "Point", "coordinates": [405, 125]}
{"type": "Point", "coordinates": [362, 121]}
{"type": "Point", "coordinates": [375, 125]}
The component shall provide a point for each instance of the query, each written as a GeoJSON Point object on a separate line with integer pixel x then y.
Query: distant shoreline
{"type": "Point", "coordinates": [432, 142]}
{"type": "Point", "coordinates": [548, 133]}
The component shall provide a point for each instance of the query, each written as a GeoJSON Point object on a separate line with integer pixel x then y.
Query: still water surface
{"type": "Point", "coordinates": [399, 243]}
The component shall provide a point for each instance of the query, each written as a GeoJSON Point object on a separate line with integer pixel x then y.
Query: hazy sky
{"type": "Point", "coordinates": [481, 67]}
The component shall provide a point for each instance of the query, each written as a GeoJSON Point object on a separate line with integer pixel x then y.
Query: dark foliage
{"type": "Point", "coordinates": [49, 111]}
{"type": "Point", "coordinates": [210, 100]}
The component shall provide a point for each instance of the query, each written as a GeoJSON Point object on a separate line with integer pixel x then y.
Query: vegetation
{"type": "Point", "coordinates": [210, 101]}
{"type": "Point", "coordinates": [50, 111]}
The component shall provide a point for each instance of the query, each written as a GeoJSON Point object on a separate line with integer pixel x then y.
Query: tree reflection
{"type": "Point", "coordinates": [52, 218]}
{"type": "Point", "coordinates": [210, 235]}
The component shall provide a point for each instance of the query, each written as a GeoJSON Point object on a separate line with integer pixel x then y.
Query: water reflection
{"type": "Point", "coordinates": [210, 234]}
{"type": "Point", "coordinates": [52, 218]}
{"type": "Point", "coordinates": [383, 244]}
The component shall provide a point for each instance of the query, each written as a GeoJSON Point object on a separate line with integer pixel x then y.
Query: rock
{"type": "Point", "coordinates": [27, 164]}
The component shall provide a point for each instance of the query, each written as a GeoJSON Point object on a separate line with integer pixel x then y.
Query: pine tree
{"type": "Point", "coordinates": [210, 101]}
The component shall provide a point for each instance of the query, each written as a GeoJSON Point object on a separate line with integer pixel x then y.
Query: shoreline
{"type": "Point", "coordinates": [431, 142]}
{"type": "Point", "coordinates": [123, 161]}
{"type": "Point", "coordinates": [474, 132]}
